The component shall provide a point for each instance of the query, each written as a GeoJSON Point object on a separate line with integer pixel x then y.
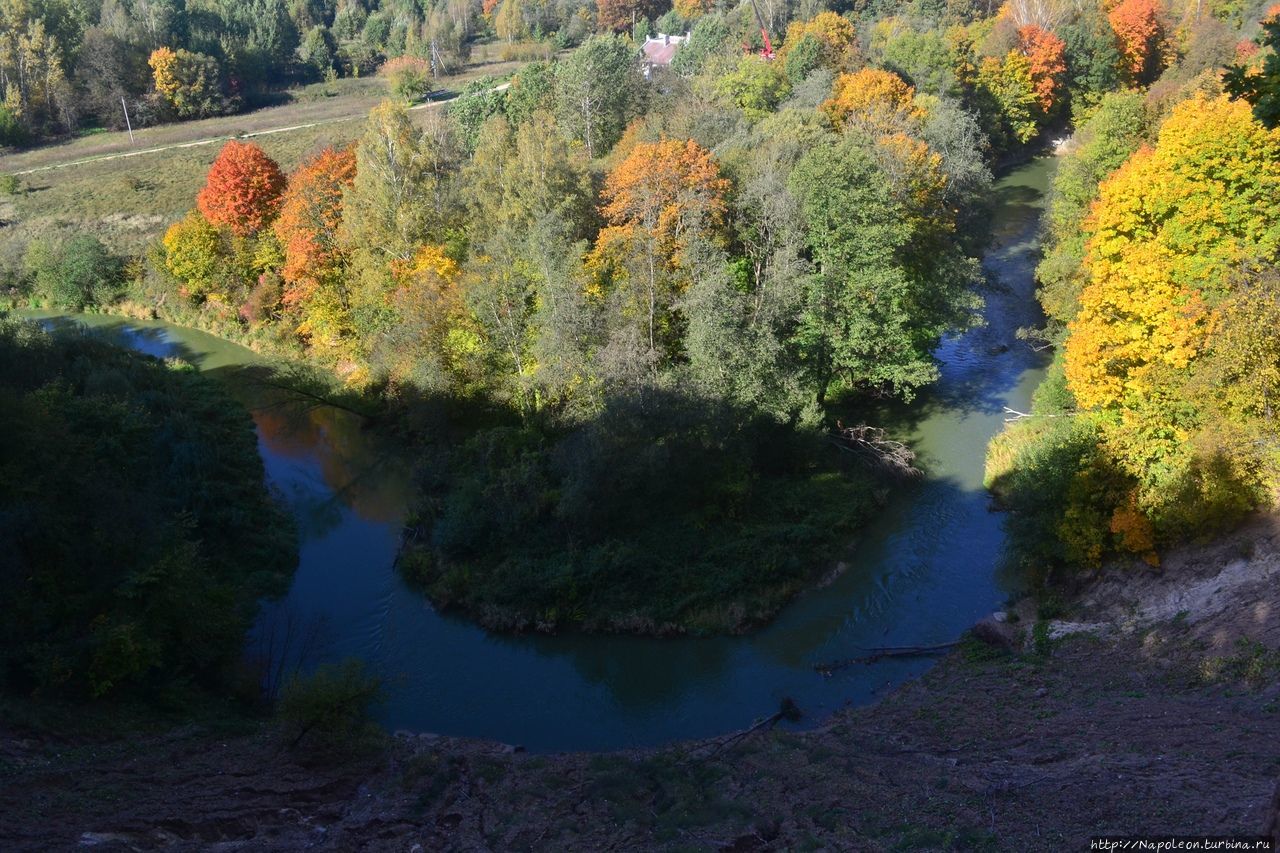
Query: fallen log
{"type": "Point", "coordinates": [787, 710]}
{"type": "Point", "coordinates": [875, 449]}
{"type": "Point", "coordinates": [880, 652]}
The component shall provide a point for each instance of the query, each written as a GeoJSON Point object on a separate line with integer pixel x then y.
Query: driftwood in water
{"type": "Point", "coordinates": [826, 669]}
{"type": "Point", "coordinates": [875, 449]}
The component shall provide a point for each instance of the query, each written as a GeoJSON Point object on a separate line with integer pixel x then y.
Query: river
{"type": "Point", "coordinates": [923, 572]}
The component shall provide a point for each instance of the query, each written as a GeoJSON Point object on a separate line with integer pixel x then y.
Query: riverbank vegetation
{"type": "Point", "coordinates": [136, 532]}
{"type": "Point", "coordinates": [639, 304]}
{"type": "Point", "coordinates": [1155, 422]}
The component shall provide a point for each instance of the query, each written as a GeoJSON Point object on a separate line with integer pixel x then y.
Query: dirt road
{"type": "Point", "coordinates": [109, 146]}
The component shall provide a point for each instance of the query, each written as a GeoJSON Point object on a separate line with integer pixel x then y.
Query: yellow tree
{"type": "Point", "coordinates": [1165, 238]}
{"type": "Point", "coordinates": [837, 40]}
{"type": "Point", "coordinates": [880, 101]}
{"type": "Point", "coordinates": [1165, 232]}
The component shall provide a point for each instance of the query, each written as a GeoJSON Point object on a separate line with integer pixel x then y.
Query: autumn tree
{"type": "Point", "coordinates": [836, 39]}
{"type": "Point", "coordinates": [33, 83]}
{"type": "Point", "coordinates": [1244, 369]}
{"type": "Point", "coordinates": [1046, 54]}
{"type": "Point", "coordinates": [692, 10]}
{"type": "Point", "coordinates": [875, 100]}
{"type": "Point", "coordinates": [1166, 230]}
{"type": "Point", "coordinates": [660, 198]}
{"type": "Point", "coordinates": [1167, 237]}
{"type": "Point", "coordinates": [242, 190]}
{"type": "Point", "coordinates": [1142, 40]}
{"type": "Point", "coordinates": [1011, 85]}
{"type": "Point", "coordinates": [189, 81]}
{"type": "Point", "coordinates": [400, 200]}
{"type": "Point", "coordinates": [618, 15]}
{"type": "Point", "coordinates": [309, 222]}
{"type": "Point", "coordinates": [408, 76]}
{"type": "Point", "coordinates": [427, 338]}
{"type": "Point", "coordinates": [1112, 133]}
{"type": "Point", "coordinates": [196, 254]}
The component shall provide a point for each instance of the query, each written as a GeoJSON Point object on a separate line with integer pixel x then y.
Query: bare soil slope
{"type": "Point", "coordinates": [1156, 711]}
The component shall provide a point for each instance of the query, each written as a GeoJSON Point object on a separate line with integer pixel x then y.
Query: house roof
{"type": "Point", "coordinates": [662, 49]}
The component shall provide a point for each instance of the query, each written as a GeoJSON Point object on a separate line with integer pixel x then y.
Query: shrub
{"type": "Point", "coordinates": [526, 51]}
{"type": "Point", "coordinates": [408, 76]}
{"type": "Point", "coordinates": [332, 704]}
{"type": "Point", "coordinates": [73, 273]}
{"type": "Point", "coordinates": [136, 533]}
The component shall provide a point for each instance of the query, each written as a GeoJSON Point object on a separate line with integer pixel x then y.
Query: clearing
{"type": "Point", "coordinates": [126, 194]}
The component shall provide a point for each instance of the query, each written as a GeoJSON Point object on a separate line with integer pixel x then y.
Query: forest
{"type": "Point", "coordinates": [623, 312]}
{"type": "Point", "coordinates": [1159, 286]}
{"type": "Point", "coordinates": [129, 489]}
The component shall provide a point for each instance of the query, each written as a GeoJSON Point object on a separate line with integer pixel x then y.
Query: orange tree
{"type": "Point", "coordinates": [1142, 40]}
{"type": "Point", "coordinates": [309, 219]}
{"type": "Point", "coordinates": [658, 200]}
{"type": "Point", "coordinates": [243, 189]}
{"type": "Point", "coordinates": [1047, 55]}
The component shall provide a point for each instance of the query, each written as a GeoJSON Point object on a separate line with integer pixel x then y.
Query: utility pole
{"type": "Point", "coordinates": [127, 123]}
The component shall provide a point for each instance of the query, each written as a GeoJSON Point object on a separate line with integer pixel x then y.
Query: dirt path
{"type": "Point", "coordinates": [1142, 725]}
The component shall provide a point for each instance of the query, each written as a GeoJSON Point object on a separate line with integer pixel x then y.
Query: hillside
{"type": "Point", "coordinates": [1148, 722]}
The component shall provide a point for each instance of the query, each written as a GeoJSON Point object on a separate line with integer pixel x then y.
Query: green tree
{"type": "Point", "coordinates": [598, 90]}
{"type": "Point", "coordinates": [73, 272]}
{"type": "Point", "coordinates": [1093, 56]}
{"type": "Point", "coordinates": [1261, 89]}
{"type": "Point", "coordinates": [319, 51]}
{"type": "Point", "coordinates": [1011, 86]}
{"type": "Point", "coordinates": [881, 292]}
{"type": "Point", "coordinates": [755, 86]}
{"type": "Point", "coordinates": [1103, 143]}
{"type": "Point", "coordinates": [533, 88]}
{"type": "Point", "coordinates": [709, 36]}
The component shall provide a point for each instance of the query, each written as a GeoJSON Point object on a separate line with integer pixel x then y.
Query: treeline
{"type": "Point", "coordinates": [66, 64]}
{"type": "Point", "coordinates": [1156, 421]}
{"type": "Point", "coordinates": [136, 532]}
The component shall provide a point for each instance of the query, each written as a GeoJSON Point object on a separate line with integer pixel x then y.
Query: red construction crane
{"type": "Point", "coordinates": [767, 52]}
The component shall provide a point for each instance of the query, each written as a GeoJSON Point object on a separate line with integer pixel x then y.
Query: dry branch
{"type": "Point", "coordinates": [872, 446]}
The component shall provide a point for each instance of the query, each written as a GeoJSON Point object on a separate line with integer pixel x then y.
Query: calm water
{"type": "Point", "coordinates": [923, 573]}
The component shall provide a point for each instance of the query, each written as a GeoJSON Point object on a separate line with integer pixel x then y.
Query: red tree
{"type": "Point", "coordinates": [1137, 25]}
{"type": "Point", "coordinates": [310, 213]}
{"type": "Point", "coordinates": [243, 189]}
{"type": "Point", "coordinates": [1047, 55]}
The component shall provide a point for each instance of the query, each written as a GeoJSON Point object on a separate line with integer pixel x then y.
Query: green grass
{"type": "Point", "coordinates": [129, 202]}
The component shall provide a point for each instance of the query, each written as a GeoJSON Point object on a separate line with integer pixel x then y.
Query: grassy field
{"type": "Point", "coordinates": [127, 201]}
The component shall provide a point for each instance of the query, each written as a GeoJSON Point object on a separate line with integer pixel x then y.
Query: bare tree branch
{"type": "Point", "coordinates": [872, 446]}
